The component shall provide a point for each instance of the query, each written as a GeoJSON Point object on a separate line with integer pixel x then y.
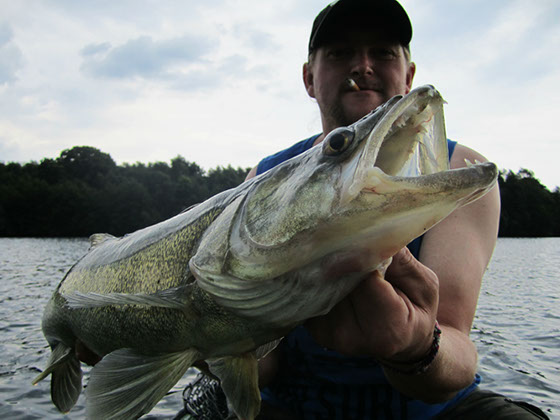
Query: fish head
{"type": "Point", "coordinates": [367, 190]}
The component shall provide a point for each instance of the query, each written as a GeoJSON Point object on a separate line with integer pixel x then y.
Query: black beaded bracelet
{"type": "Point", "coordinates": [422, 365]}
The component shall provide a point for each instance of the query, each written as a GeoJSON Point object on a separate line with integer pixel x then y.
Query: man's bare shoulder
{"type": "Point", "coordinates": [463, 152]}
{"type": "Point", "coordinates": [252, 173]}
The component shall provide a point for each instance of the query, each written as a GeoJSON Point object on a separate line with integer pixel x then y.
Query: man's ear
{"type": "Point", "coordinates": [410, 76]}
{"type": "Point", "coordinates": [308, 80]}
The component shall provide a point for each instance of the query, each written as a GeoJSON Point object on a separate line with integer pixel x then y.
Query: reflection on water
{"type": "Point", "coordinates": [517, 328]}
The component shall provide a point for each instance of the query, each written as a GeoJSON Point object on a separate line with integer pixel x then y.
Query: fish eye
{"type": "Point", "coordinates": [338, 141]}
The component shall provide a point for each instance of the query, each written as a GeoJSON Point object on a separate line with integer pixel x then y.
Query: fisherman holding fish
{"type": "Point", "coordinates": [303, 251]}
{"type": "Point", "coordinates": [398, 346]}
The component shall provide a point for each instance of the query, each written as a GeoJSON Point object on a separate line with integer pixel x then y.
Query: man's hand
{"type": "Point", "coordinates": [390, 319]}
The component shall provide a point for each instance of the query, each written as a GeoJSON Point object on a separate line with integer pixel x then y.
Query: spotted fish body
{"type": "Point", "coordinates": [224, 281]}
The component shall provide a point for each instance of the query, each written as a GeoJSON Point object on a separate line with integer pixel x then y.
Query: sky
{"type": "Point", "coordinates": [219, 82]}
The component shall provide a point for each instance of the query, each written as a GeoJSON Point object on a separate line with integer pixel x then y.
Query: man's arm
{"type": "Point", "coordinates": [252, 173]}
{"type": "Point", "coordinates": [458, 250]}
{"type": "Point", "coordinates": [392, 319]}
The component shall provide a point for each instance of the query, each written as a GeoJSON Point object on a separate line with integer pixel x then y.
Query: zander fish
{"type": "Point", "coordinates": [224, 281]}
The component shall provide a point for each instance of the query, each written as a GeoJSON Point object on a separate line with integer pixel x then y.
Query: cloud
{"type": "Point", "coordinates": [217, 75]}
{"type": "Point", "coordinates": [255, 39]}
{"type": "Point", "coordinates": [11, 58]}
{"type": "Point", "coordinates": [144, 57]}
{"type": "Point", "coordinates": [93, 49]}
{"type": "Point", "coordinates": [5, 34]}
{"type": "Point", "coordinates": [520, 41]}
{"type": "Point", "coordinates": [185, 63]}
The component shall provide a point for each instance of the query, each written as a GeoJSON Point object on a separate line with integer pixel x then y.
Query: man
{"type": "Point", "coordinates": [377, 353]}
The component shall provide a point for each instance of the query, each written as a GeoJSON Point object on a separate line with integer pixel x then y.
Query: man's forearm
{"type": "Point", "coordinates": [452, 370]}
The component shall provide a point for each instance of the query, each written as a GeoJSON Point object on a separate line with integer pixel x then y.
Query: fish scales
{"type": "Point", "coordinates": [166, 263]}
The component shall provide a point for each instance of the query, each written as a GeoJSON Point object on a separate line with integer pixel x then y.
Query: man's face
{"type": "Point", "coordinates": [378, 66]}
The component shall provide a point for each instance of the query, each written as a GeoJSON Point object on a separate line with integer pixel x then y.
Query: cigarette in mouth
{"type": "Point", "coordinates": [352, 84]}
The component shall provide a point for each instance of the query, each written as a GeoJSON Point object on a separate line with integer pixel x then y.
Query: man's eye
{"type": "Point", "coordinates": [337, 53]}
{"type": "Point", "coordinates": [383, 54]}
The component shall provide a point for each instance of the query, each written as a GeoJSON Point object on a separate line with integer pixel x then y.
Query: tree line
{"type": "Point", "coordinates": [529, 209]}
{"type": "Point", "coordinates": [84, 191]}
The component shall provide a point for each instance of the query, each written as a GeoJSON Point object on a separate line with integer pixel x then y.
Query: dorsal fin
{"type": "Point", "coordinates": [98, 238]}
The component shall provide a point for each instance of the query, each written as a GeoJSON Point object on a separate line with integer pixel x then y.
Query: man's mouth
{"type": "Point", "coordinates": [357, 86]}
{"type": "Point", "coordinates": [352, 85]}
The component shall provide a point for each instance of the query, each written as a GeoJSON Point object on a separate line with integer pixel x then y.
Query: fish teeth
{"type": "Point", "coordinates": [469, 163]}
{"type": "Point", "coordinates": [400, 122]}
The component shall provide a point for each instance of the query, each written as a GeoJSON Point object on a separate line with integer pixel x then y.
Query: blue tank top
{"type": "Point", "coordinates": [316, 383]}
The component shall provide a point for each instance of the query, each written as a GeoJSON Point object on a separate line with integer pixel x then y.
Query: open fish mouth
{"type": "Point", "coordinates": [404, 148]}
{"type": "Point", "coordinates": [408, 141]}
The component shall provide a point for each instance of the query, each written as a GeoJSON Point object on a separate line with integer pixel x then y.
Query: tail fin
{"type": "Point", "coordinates": [66, 382]}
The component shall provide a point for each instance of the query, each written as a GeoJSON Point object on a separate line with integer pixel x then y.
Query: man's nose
{"type": "Point", "coordinates": [362, 63]}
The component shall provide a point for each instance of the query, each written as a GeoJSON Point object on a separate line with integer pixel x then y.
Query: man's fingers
{"type": "Point", "coordinates": [381, 316]}
{"type": "Point", "coordinates": [415, 280]}
{"type": "Point", "coordinates": [357, 323]}
{"type": "Point", "coordinates": [374, 295]}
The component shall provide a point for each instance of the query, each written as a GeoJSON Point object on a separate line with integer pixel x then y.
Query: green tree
{"type": "Point", "coordinates": [87, 163]}
{"type": "Point", "coordinates": [223, 178]}
{"type": "Point", "coordinates": [84, 191]}
{"type": "Point", "coordinates": [529, 209]}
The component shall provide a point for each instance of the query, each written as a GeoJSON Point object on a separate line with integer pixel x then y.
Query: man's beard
{"type": "Point", "coordinates": [337, 116]}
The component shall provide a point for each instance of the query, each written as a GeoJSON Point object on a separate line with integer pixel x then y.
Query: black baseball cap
{"type": "Point", "coordinates": [388, 13]}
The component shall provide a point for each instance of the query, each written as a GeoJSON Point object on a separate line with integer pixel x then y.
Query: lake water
{"type": "Point", "coordinates": [517, 326]}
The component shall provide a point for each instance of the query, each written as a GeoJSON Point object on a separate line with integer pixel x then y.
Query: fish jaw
{"type": "Point", "coordinates": [406, 208]}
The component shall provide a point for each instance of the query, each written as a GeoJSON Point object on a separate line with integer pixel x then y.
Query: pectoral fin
{"type": "Point", "coordinates": [66, 382]}
{"type": "Point", "coordinates": [265, 349]}
{"type": "Point", "coordinates": [127, 384]}
{"type": "Point", "coordinates": [239, 381]}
